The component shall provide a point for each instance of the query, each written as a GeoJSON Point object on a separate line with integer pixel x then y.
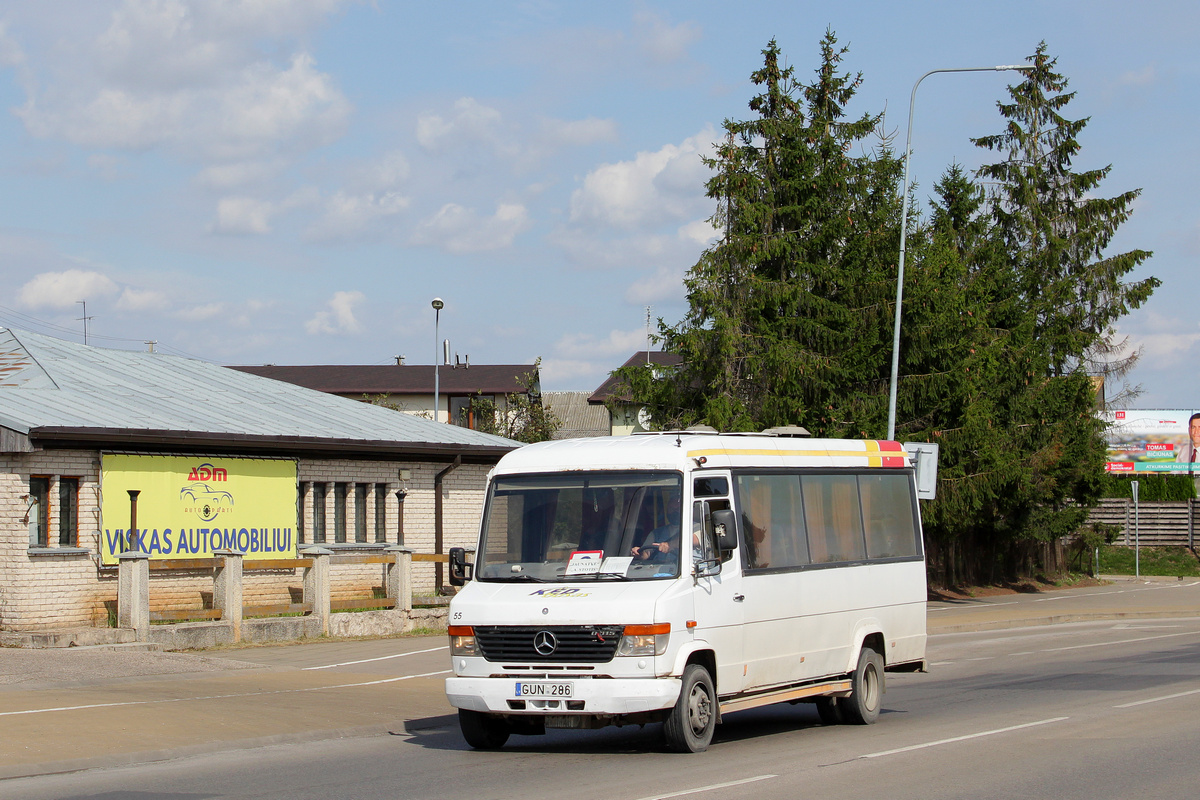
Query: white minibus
{"type": "Point", "coordinates": [677, 577]}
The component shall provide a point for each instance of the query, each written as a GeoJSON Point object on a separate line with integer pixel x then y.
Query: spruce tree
{"type": "Point", "coordinates": [788, 310]}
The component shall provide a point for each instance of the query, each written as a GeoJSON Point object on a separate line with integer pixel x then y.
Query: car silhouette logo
{"type": "Point", "coordinates": [206, 501]}
{"type": "Point", "coordinates": [545, 643]}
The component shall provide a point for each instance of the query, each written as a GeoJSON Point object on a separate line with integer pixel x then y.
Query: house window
{"type": "Point", "coordinates": [318, 500]}
{"type": "Point", "coordinates": [340, 490]}
{"type": "Point", "coordinates": [466, 410]}
{"type": "Point", "coordinates": [381, 512]}
{"type": "Point", "coordinates": [39, 512]}
{"type": "Point", "coordinates": [360, 512]}
{"type": "Point", "coordinates": [68, 512]}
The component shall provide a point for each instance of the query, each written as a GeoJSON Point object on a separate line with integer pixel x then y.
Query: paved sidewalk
{"type": "Point", "coordinates": [78, 708]}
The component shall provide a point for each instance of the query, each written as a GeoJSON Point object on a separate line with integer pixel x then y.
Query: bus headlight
{"type": "Point", "coordinates": [462, 640]}
{"type": "Point", "coordinates": [644, 640]}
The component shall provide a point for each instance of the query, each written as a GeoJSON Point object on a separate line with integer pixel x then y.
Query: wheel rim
{"type": "Point", "coordinates": [699, 709]}
{"type": "Point", "coordinates": [870, 688]}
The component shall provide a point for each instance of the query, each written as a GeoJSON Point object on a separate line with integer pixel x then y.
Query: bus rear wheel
{"type": "Point", "coordinates": [866, 690]}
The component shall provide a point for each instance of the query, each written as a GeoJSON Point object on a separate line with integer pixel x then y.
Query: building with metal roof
{"type": "Point", "coordinates": [105, 450]}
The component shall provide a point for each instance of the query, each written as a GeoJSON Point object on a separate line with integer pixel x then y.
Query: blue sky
{"type": "Point", "coordinates": [293, 182]}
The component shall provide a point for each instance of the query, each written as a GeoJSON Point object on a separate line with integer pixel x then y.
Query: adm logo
{"type": "Point", "coordinates": [203, 500]}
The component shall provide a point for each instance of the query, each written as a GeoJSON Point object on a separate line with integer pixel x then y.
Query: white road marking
{"type": "Point", "coordinates": [380, 658]}
{"type": "Point", "coordinates": [963, 738]}
{"type": "Point", "coordinates": [709, 788]}
{"type": "Point", "coordinates": [1119, 641]}
{"type": "Point", "coordinates": [220, 696]}
{"type": "Point", "coordinates": [1158, 699]}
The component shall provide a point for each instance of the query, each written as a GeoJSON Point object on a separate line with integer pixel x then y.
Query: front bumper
{"type": "Point", "coordinates": [599, 696]}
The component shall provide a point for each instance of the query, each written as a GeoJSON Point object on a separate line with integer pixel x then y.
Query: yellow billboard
{"type": "Point", "coordinates": [191, 506]}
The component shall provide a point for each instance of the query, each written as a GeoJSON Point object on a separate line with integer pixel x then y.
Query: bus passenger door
{"type": "Point", "coordinates": [718, 600]}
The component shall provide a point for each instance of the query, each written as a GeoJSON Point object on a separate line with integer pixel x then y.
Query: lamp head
{"type": "Point", "coordinates": [437, 304]}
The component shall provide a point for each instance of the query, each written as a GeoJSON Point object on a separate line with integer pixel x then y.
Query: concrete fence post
{"type": "Point", "coordinates": [133, 593]}
{"type": "Point", "coordinates": [227, 589]}
{"type": "Point", "coordinates": [399, 577]}
{"type": "Point", "coordinates": [316, 585]}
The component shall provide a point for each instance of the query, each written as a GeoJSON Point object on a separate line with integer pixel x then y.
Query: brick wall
{"type": "Point", "coordinates": [66, 587]}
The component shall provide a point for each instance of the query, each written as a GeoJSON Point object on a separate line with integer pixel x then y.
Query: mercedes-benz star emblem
{"type": "Point", "coordinates": [544, 643]}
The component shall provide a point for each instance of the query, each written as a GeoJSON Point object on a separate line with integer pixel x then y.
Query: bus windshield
{"type": "Point", "coordinates": [581, 526]}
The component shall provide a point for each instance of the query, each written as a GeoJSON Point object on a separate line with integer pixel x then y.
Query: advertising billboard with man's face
{"type": "Point", "coordinates": [192, 506]}
{"type": "Point", "coordinates": [1154, 440]}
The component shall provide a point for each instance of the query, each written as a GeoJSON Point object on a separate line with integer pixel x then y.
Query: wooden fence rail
{"type": "Point", "coordinates": [227, 568]}
{"type": "Point", "coordinates": [1167, 523]}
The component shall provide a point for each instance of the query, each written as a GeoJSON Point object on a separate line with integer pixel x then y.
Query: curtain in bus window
{"type": "Point", "coordinates": [774, 521]}
{"type": "Point", "coordinates": [834, 519]}
{"type": "Point", "coordinates": [888, 516]}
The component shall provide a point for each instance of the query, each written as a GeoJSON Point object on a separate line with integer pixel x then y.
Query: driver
{"type": "Point", "coordinates": [663, 540]}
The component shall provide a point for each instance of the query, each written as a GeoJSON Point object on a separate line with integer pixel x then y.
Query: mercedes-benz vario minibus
{"type": "Point", "coordinates": [679, 577]}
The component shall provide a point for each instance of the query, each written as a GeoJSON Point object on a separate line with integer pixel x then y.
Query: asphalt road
{"type": "Point", "coordinates": [1083, 710]}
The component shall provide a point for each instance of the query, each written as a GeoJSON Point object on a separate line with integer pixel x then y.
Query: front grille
{"type": "Point", "coordinates": [573, 644]}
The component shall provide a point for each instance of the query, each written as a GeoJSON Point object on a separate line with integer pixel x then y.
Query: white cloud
{"type": "Point", "coordinates": [560, 371]}
{"type": "Point", "coordinates": [191, 77]}
{"type": "Point", "coordinates": [665, 283]}
{"type": "Point", "coordinates": [655, 187]}
{"type": "Point", "coordinates": [64, 289]}
{"type": "Point", "coordinates": [340, 318]}
{"type": "Point", "coordinates": [347, 215]}
{"type": "Point", "coordinates": [462, 230]}
{"type": "Point", "coordinates": [11, 54]}
{"type": "Point", "coordinates": [474, 132]}
{"type": "Point", "coordinates": [238, 173]}
{"type": "Point", "coordinates": [471, 122]}
{"type": "Point", "coordinates": [242, 215]}
{"type": "Point", "coordinates": [372, 195]}
{"type": "Point", "coordinates": [1146, 76]}
{"type": "Point", "coordinates": [663, 42]}
{"type": "Point", "coordinates": [579, 132]}
{"type": "Point", "coordinates": [617, 343]}
{"type": "Point", "coordinates": [700, 232]}
{"type": "Point", "coordinates": [141, 300]}
{"type": "Point", "coordinates": [201, 313]}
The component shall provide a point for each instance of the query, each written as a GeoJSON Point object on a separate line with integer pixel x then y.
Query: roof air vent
{"type": "Point", "coordinates": [793, 431]}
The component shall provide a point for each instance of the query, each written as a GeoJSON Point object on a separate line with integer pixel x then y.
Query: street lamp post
{"type": "Point", "coordinates": [438, 305]}
{"type": "Point", "coordinates": [891, 429]}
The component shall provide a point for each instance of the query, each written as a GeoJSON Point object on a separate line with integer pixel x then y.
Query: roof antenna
{"type": "Point", "coordinates": [648, 335]}
{"type": "Point", "coordinates": [85, 318]}
{"type": "Point", "coordinates": [678, 440]}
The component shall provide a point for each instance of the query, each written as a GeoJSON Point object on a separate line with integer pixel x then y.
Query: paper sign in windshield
{"type": "Point", "coordinates": [585, 562]}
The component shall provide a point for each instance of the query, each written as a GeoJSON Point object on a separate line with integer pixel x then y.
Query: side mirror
{"type": "Point", "coordinates": [707, 568]}
{"type": "Point", "coordinates": [725, 528]}
{"type": "Point", "coordinates": [460, 570]}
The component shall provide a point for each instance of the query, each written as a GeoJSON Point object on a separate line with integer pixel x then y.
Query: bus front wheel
{"type": "Point", "coordinates": [689, 728]}
{"type": "Point", "coordinates": [483, 731]}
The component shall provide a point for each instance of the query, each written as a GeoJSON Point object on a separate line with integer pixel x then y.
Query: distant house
{"type": "Point", "coordinates": [626, 416]}
{"type": "Point", "coordinates": [409, 388]}
{"type": "Point", "coordinates": [579, 419]}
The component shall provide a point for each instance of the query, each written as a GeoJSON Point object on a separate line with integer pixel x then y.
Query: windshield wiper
{"type": "Point", "coordinates": [520, 576]}
{"type": "Point", "coordinates": [621, 576]}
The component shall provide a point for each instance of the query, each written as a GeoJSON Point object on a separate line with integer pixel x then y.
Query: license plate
{"type": "Point", "coordinates": [543, 689]}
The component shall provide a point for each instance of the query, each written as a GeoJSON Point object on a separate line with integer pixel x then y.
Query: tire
{"type": "Point", "coordinates": [689, 728]}
{"type": "Point", "coordinates": [483, 731]}
{"type": "Point", "coordinates": [831, 710]}
{"type": "Point", "coordinates": [866, 689]}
